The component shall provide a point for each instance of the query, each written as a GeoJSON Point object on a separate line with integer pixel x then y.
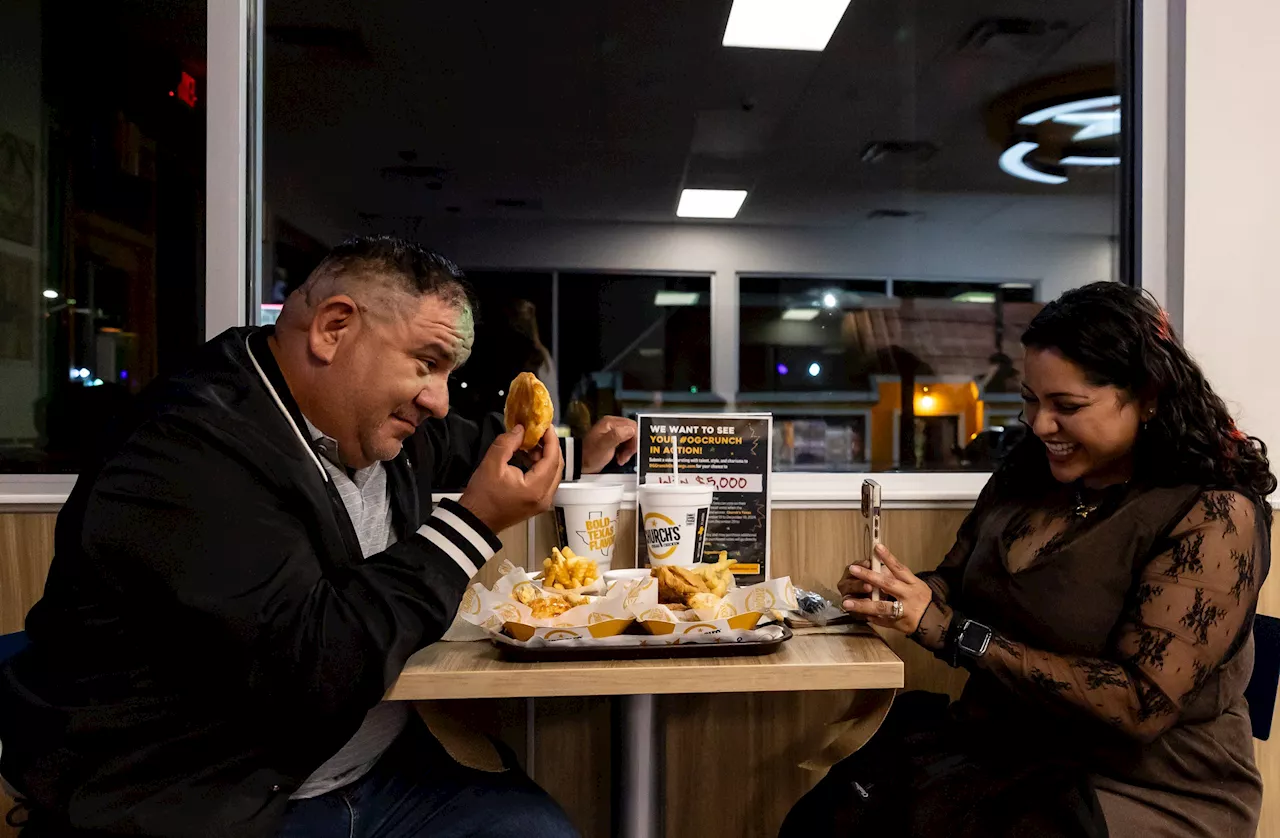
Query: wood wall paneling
{"type": "Point", "coordinates": [26, 549]}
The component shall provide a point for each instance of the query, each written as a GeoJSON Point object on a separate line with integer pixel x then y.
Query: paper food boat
{"type": "Point", "coordinates": [741, 609]}
{"type": "Point", "coordinates": [496, 610]}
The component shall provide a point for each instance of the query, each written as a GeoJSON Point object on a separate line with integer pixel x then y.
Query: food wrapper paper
{"type": "Point", "coordinates": [741, 608]}
{"type": "Point", "coordinates": [495, 610]}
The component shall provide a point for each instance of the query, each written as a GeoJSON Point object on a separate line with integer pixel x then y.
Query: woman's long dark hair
{"type": "Point", "coordinates": [1118, 336]}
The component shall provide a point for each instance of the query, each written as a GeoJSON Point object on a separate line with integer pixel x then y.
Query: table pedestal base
{"type": "Point", "coordinates": [637, 782]}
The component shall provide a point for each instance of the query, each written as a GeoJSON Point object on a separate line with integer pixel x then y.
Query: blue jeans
{"type": "Point", "coordinates": [417, 790]}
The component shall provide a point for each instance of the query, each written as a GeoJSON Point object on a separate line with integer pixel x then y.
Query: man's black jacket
{"type": "Point", "coordinates": [209, 632]}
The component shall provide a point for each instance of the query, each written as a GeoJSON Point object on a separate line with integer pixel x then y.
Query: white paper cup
{"type": "Point", "coordinates": [587, 520]}
{"type": "Point", "coordinates": [673, 522]}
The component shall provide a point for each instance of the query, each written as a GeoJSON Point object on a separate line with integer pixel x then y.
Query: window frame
{"type": "Point", "coordinates": [1151, 233]}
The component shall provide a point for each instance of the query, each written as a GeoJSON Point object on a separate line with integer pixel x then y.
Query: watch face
{"type": "Point", "coordinates": [974, 638]}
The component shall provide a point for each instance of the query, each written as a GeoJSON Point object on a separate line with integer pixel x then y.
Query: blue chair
{"type": "Point", "coordinates": [12, 644]}
{"type": "Point", "coordinates": [1261, 692]}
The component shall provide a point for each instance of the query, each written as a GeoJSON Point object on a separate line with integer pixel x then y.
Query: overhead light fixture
{"type": "Point", "coordinates": [1014, 162]}
{"type": "Point", "coordinates": [710, 203]}
{"type": "Point", "coordinates": [676, 298]}
{"type": "Point", "coordinates": [986, 297]}
{"type": "Point", "coordinates": [1017, 286]}
{"type": "Point", "coordinates": [1082, 160]}
{"type": "Point", "coordinates": [1096, 117]}
{"type": "Point", "coordinates": [815, 369]}
{"type": "Point", "coordinates": [1070, 108]}
{"type": "Point", "coordinates": [829, 300]}
{"type": "Point", "coordinates": [782, 369]}
{"type": "Point", "coordinates": [50, 294]}
{"type": "Point", "coordinates": [801, 313]}
{"type": "Point", "coordinates": [783, 24]}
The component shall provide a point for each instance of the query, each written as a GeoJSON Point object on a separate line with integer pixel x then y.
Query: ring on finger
{"type": "Point", "coordinates": [896, 610]}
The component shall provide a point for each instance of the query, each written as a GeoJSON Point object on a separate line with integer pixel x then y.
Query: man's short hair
{"type": "Point", "coordinates": [374, 269]}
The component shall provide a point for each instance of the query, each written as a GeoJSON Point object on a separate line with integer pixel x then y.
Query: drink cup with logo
{"type": "Point", "coordinates": [587, 520]}
{"type": "Point", "coordinates": [673, 522]}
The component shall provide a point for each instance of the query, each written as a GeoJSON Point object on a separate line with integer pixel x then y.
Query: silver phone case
{"type": "Point", "coordinates": [871, 526]}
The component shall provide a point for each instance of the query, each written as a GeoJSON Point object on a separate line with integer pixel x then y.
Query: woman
{"type": "Point", "coordinates": [1101, 593]}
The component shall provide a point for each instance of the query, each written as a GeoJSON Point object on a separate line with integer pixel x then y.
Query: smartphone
{"type": "Point", "coordinates": [871, 526]}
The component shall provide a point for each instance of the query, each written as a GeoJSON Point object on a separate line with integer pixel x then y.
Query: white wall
{"type": "Point", "coordinates": [1231, 294]}
{"type": "Point", "coordinates": [21, 109]}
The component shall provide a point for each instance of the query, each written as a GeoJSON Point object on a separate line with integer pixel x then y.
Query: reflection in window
{"type": "Point", "coordinates": [615, 343]}
{"type": "Point", "coordinates": [513, 330]}
{"type": "Point", "coordinates": [102, 158]}
{"type": "Point", "coordinates": [884, 374]}
{"type": "Point", "coordinates": [634, 343]}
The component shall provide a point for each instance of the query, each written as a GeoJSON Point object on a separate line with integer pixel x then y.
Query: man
{"type": "Point", "coordinates": [238, 582]}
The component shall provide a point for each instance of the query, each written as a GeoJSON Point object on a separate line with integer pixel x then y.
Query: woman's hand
{"type": "Point", "coordinates": [896, 581]}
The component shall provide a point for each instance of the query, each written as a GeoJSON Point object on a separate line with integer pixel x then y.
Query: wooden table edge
{"type": "Point", "coordinates": [431, 686]}
{"type": "Point", "coordinates": [427, 681]}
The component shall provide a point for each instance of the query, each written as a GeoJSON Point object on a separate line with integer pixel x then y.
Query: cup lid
{"type": "Point", "coordinates": [588, 492]}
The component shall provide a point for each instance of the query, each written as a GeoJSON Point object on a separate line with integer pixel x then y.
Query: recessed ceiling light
{"type": "Point", "coordinates": [829, 300]}
{"type": "Point", "coordinates": [50, 294]}
{"type": "Point", "coordinates": [675, 298]}
{"type": "Point", "coordinates": [710, 203]}
{"type": "Point", "coordinates": [815, 369]}
{"type": "Point", "coordinates": [1014, 162]}
{"type": "Point", "coordinates": [801, 313]}
{"type": "Point", "coordinates": [783, 24]}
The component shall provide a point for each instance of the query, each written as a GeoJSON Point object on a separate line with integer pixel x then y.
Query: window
{"type": "Point", "coordinates": [635, 343]}
{"type": "Point", "coordinates": [602, 343]}
{"type": "Point", "coordinates": [851, 235]}
{"type": "Point", "coordinates": [102, 159]}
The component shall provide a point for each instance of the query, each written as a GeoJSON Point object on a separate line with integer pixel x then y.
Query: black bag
{"type": "Point", "coordinates": [923, 776]}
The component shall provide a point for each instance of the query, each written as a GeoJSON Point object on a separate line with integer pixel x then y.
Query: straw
{"type": "Point", "coordinates": [675, 459]}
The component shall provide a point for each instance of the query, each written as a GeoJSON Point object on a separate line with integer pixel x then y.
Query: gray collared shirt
{"type": "Point", "coordinates": [367, 499]}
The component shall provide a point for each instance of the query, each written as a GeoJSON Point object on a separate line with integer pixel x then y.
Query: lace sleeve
{"type": "Point", "coordinates": [1190, 609]}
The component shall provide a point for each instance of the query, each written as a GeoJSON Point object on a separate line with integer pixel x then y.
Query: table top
{"type": "Point", "coordinates": [804, 663]}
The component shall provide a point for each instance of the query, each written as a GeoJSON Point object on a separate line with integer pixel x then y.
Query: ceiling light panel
{"type": "Point", "coordinates": [710, 203]}
{"type": "Point", "coordinates": [783, 24]}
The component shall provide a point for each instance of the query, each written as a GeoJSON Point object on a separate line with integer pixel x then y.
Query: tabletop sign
{"type": "Point", "coordinates": [731, 453]}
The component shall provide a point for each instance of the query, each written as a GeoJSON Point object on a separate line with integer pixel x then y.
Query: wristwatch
{"type": "Point", "coordinates": [966, 639]}
{"type": "Point", "coordinates": [973, 639]}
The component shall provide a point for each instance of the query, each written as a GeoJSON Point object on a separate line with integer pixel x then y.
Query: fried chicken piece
{"type": "Point", "coordinates": [677, 584]}
{"type": "Point", "coordinates": [543, 609]}
{"type": "Point", "coordinates": [528, 404]}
